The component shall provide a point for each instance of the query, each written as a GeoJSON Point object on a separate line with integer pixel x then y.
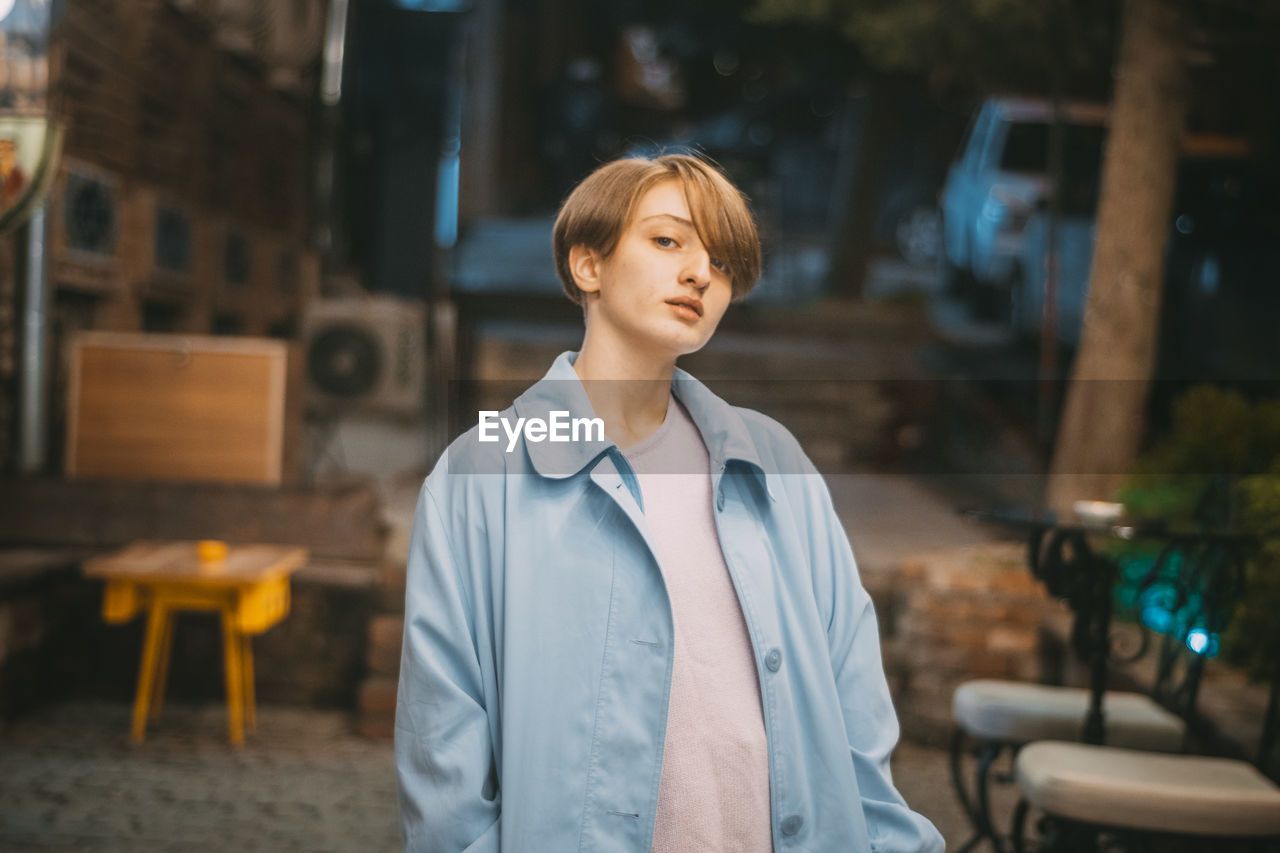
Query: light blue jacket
{"type": "Point", "coordinates": [537, 651]}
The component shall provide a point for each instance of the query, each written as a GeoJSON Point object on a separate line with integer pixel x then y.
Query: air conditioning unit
{"type": "Point", "coordinates": [85, 228]}
{"type": "Point", "coordinates": [365, 353]}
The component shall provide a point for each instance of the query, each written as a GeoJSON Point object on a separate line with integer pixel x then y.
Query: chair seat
{"type": "Point", "coordinates": [1019, 712]}
{"type": "Point", "coordinates": [1180, 794]}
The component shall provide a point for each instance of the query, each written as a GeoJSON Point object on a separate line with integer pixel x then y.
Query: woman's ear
{"type": "Point", "coordinates": [584, 264]}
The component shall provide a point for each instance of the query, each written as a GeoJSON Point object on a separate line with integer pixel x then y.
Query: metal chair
{"type": "Point", "coordinates": [993, 717]}
{"type": "Point", "coordinates": [1107, 798]}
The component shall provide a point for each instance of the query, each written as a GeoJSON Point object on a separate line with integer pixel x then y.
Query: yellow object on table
{"type": "Point", "coordinates": [247, 584]}
{"type": "Point", "coordinates": [211, 551]}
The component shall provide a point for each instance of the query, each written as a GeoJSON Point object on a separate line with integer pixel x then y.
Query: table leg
{"type": "Point", "coordinates": [246, 659]}
{"type": "Point", "coordinates": [1103, 571]}
{"type": "Point", "coordinates": [231, 649]}
{"type": "Point", "coordinates": [162, 669]}
{"type": "Point", "coordinates": [157, 613]}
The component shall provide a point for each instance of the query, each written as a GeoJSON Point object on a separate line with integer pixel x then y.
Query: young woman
{"type": "Point", "coordinates": [650, 636]}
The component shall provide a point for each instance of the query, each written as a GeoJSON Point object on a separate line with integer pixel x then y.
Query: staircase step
{"type": "Point", "coordinates": [840, 377]}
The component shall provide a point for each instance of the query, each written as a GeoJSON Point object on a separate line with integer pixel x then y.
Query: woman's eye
{"type": "Point", "coordinates": [664, 241]}
{"type": "Point", "coordinates": [719, 264]}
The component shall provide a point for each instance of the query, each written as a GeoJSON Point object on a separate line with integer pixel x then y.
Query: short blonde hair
{"type": "Point", "coordinates": [601, 207]}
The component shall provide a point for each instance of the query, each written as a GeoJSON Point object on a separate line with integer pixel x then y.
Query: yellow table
{"type": "Point", "coordinates": [249, 586]}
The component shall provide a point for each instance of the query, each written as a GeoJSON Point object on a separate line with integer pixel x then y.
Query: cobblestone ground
{"type": "Point", "coordinates": [71, 780]}
{"type": "Point", "coordinates": [923, 776]}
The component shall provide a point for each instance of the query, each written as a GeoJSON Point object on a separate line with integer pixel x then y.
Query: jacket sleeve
{"type": "Point", "coordinates": [870, 722]}
{"type": "Point", "coordinates": [445, 765]}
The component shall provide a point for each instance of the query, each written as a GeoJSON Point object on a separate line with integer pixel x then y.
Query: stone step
{"type": "Point", "coordinates": [848, 361]}
{"type": "Point", "coordinates": [822, 394]}
{"type": "Point", "coordinates": [336, 520]}
{"type": "Point", "coordinates": [838, 392]}
{"type": "Point", "coordinates": [859, 407]}
{"type": "Point", "coordinates": [525, 361]}
{"type": "Point", "coordinates": [839, 421]}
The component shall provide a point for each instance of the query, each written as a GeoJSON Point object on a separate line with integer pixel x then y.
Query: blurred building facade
{"type": "Point", "coordinates": [179, 202]}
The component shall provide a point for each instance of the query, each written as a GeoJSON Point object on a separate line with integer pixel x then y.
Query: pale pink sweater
{"type": "Point", "coordinates": [714, 791]}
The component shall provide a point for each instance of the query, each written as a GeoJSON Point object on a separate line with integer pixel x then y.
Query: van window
{"type": "Point", "coordinates": [1027, 149]}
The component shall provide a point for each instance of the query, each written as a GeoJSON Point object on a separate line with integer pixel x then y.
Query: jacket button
{"type": "Point", "coordinates": [773, 660]}
{"type": "Point", "coordinates": [720, 500]}
{"type": "Point", "coordinates": [792, 825]}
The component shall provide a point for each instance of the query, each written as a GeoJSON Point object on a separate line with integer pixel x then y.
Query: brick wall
{"type": "Point", "coordinates": [962, 613]}
{"type": "Point", "coordinates": [33, 622]}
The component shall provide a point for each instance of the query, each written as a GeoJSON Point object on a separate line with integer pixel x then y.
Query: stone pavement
{"type": "Point", "coordinates": [71, 781]}
{"type": "Point", "coordinates": [889, 517]}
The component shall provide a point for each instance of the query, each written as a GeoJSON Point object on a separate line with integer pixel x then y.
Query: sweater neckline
{"type": "Point", "coordinates": [658, 435]}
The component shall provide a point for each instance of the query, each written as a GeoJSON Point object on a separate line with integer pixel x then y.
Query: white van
{"type": "Point", "coordinates": [999, 177]}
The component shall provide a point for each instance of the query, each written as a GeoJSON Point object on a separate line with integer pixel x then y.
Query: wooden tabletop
{"type": "Point", "coordinates": [177, 561]}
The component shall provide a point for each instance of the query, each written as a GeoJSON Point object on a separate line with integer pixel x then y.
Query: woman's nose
{"type": "Point", "coordinates": [698, 269]}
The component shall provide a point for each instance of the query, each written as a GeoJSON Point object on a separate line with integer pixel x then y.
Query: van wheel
{"type": "Point", "coordinates": [1015, 313]}
{"type": "Point", "coordinates": [953, 281]}
{"type": "Point", "coordinates": [1024, 323]}
{"type": "Point", "coordinates": [917, 234]}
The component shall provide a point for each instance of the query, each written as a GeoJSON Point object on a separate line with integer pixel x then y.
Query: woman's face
{"type": "Point", "coordinates": [660, 291]}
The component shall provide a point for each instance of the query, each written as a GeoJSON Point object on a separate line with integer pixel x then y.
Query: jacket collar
{"type": "Point", "coordinates": [722, 427]}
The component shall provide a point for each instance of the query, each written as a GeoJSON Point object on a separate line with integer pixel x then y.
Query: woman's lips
{"type": "Point", "coordinates": [689, 309]}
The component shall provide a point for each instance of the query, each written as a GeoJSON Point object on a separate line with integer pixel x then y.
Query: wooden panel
{"type": "Point", "coordinates": [176, 407]}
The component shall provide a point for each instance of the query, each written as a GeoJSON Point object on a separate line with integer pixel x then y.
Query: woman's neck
{"type": "Point", "coordinates": [628, 391]}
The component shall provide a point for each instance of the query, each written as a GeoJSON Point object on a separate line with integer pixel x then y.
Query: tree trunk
{"type": "Point", "coordinates": [856, 232]}
{"type": "Point", "coordinates": [1104, 416]}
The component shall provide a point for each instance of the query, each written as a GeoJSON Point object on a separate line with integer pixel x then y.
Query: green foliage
{"type": "Point", "coordinates": [1217, 436]}
{"type": "Point", "coordinates": [1012, 44]}
{"type": "Point", "coordinates": [1220, 467]}
{"type": "Point", "coordinates": [1262, 501]}
{"type": "Point", "coordinates": [1254, 637]}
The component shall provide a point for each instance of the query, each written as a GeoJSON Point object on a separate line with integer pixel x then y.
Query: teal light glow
{"type": "Point", "coordinates": [1202, 642]}
{"type": "Point", "coordinates": [1157, 618]}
